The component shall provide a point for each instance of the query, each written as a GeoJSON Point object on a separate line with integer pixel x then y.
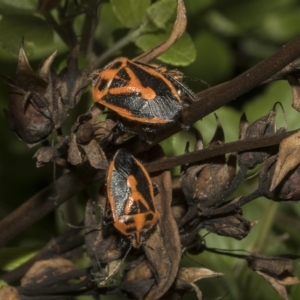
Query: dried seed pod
{"type": "Point", "coordinates": [38, 103]}
{"type": "Point", "coordinates": [87, 138]}
{"type": "Point", "coordinates": [295, 86]}
{"type": "Point", "coordinates": [264, 126]}
{"type": "Point", "coordinates": [277, 271]}
{"type": "Point", "coordinates": [43, 270]}
{"type": "Point", "coordinates": [9, 293]}
{"type": "Point", "coordinates": [28, 114]}
{"type": "Point", "coordinates": [203, 185]}
{"type": "Point", "coordinates": [138, 279]}
{"type": "Point", "coordinates": [288, 158]}
{"type": "Point", "coordinates": [287, 190]}
{"type": "Point", "coordinates": [235, 226]}
{"type": "Point", "coordinates": [213, 180]}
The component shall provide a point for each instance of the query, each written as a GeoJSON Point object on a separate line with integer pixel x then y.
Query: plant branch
{"type": "Point", "coordinates": [47, 200]}
{"type": "Point", "coordinates": [89, 26]}
{"type": "Point", "coordinates": [217, 150]}
{"type": "Point", "coordinates": [217, 96]}
{"type": "Point", "coordinates": [65, 31]}
{"type": "Point", "coordinates": [57, 246]}
{"type": "Point", "coordinates": [213, 98]}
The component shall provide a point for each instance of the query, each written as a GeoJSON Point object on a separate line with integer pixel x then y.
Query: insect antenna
{"type": "Point", "coordinates": [183, 86]}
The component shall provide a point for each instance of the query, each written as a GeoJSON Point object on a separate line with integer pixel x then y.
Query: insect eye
{"type": "Point", "coordinates": [149, 217]}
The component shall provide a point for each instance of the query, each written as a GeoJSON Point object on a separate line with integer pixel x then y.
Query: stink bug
{"type": "Point", "coordinates": [130, 195]}
{"type": "Point", "coordinates": [139, 92]}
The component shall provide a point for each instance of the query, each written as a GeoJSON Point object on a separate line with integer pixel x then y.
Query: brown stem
{"type": "Point", "coordinates": [45, 201]}
{"type": "Point", "coordinates": [217, 150]}
{"type": "Point", "coordinates": [89, 26]}
{"type": "Point", "coordinates": [224, 252]}
{"type": "Point", "coordinates": [66, 31]}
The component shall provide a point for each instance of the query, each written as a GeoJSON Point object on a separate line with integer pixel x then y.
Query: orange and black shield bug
{"type": "Point", "coordinates": [130, 195]}
{"type": "Point", "coordinates": [138, 92]}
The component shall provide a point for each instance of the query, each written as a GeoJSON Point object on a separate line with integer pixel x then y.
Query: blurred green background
{"type": "Point", "coordinates": [224, 38]}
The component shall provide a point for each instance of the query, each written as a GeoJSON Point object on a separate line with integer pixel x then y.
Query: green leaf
{"type": "Point", "coordinates": [258, 48]}
{"type": "Point", "coordinates": [278, 91]}
{"type": "Point", "coordinates": [130, 12]}
{"type": "Point", "coordinates": [249, 15]}
{"type": "Point", "coordinates": [38, 36]}
{"type": "Point", "coordinates": [109, 23]}
{"type": "Point", "coordinates": [221, 24]}
{"type": "Point", "coordinates": [13, 257]}
{"type": "Point", "coordinates": [194, 7]}
{"type": "Point", "coordinates": [175, 145]}
{"type": "Point", "coordinates": [15, 6]}
{"type": "Point", "coordinates": [281, 25]}
{"type": "Point", "coordinates": [182, 53]}
{"type": "Point", "coordinates": [214, 61]}
{"type": "Point", "coordinates": [160, 12]}
{"type": "Point", "coordinates": [295, 289]}
{"type": "Point", "coordinates": [2, 283]}
{"type": "Point", "coordinates": [229, 119]}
